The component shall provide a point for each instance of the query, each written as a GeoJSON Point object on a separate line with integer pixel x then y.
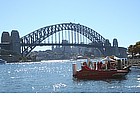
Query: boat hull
{"type": "Point", "coordinates": [100, 74]}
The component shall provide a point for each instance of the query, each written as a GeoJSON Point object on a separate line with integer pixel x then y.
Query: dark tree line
{"type": "Point", "coordinates": [134, 49]}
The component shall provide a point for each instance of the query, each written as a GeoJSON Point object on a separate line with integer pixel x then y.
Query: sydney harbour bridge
{"type": "Point", "coordinates": [76, 34]}
{"type": "Point", "coordinates": [68, 34]}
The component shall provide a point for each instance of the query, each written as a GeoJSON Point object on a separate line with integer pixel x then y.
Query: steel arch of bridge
{"type": "Point", "coordinates": [31, 40]}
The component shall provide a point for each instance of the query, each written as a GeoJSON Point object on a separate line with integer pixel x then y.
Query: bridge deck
{"type": "Point", "coordinates": [60, 44]}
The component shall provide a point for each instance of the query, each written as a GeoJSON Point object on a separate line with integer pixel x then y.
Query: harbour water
{"type": "Point", "coordinates": [55, 76]}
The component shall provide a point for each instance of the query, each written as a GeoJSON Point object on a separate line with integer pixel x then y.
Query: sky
{"type": "Point", "coordinates": [110, 18]}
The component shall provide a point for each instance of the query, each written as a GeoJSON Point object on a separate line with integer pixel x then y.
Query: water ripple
{"type": "Point", "coordinates": [56, 76]}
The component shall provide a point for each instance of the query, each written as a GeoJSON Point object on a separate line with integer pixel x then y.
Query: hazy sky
{"type": "Point", "coordinates": [111, 18]}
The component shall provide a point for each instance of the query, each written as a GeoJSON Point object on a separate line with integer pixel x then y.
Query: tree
{"type": "Point", "coordinates": [137, 48]}
{"type": "Point", "coordinates": [138, 43]}
{"type": "Point", "coordinates": [134, 49]}
{"type": "Point", "coordinates": [131, 50]}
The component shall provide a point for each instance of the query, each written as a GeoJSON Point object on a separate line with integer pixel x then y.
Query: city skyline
{"type": "Point", "coordinates": [112, 19]}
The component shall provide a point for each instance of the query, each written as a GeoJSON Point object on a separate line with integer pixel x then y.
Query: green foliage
{"type": "Point", "coordinates": [134, 49]}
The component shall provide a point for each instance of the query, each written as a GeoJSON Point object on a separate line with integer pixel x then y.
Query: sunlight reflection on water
{"type": "Point", "coordinates": [56, 76]}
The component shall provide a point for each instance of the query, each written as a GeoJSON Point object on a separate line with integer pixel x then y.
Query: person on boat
{"type": "Point", "coordinates": [94, 65]}
{"type": "Point", "coordinates": [90, 64]}
{"type": "Point", "coordinates": [112, 65]}
{"type": "Point", "coordinates": [103, 66]}
{"type": "Point", "coordinates": [98, 65]}
{"type": "Point", "coordinates": [85, 66]}
{"type": "Point", "coordinates": [108, 65]}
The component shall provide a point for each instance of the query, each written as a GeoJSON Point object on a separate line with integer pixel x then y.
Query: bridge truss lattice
{"type": "Point", "coordinates": [33, 39]}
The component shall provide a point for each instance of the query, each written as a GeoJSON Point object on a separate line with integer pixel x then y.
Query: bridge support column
{"type": "Point", "coordinates": [15, 41]}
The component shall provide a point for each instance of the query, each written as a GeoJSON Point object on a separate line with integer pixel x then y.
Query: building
{"type": "Point", "coordinates": [5, 37]}
{"type": "Point", "coordinates": [11, 43]}
{"type": "Point", "coordinates": [114, 49]}
{"type": "Point", "coordinates": [15, 42]}
{"type": "Point", "coordinates": [115, 45]}
{"type": "Point", "coordinates": [5, 41]}
{"type": "Point", "coordinates": [66, 48]}
{"type": "Point", "coordinates": [122, 52]}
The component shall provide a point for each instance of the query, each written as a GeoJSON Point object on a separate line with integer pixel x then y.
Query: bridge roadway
{"type": "Point", "coordinates": [63, 44]}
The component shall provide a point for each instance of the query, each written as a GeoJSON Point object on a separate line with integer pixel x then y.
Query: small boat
{"type": "Point", "coordinates": [97, 73]}
{"type": "Point", "coordinates": [90, 74]}
{"type": "Point", "coordinates": [2, 61]}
